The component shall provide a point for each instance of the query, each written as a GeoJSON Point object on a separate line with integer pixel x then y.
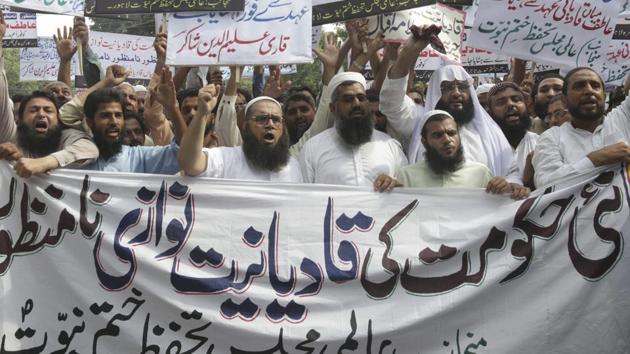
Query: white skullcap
{"type": "Point", "coordinates": [258, 99]}
{"type": "Point", "coordinates": [435, 112]}
{"type": "Point", "coordinates": [343, 77]}
{"type": "Point", "coordinates": [140, 88]}
{"type": "Point", "coordinates": [484, 88]}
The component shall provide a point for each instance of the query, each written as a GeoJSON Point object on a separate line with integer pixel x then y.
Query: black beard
{"type": "Point", "coordinates": [264, 156]}
{"type": "Point", "coordinates": [462, 117]}
{"type": "Point", "coordinates": [106, 148]}
{"type": "Point", "coordinates": [541, 109]}
{"type": "Point", "coordinates": [295, 133]}
{"type": "Point", "coordinates": [355, 131]}
{"type": "Point", "coordinates": [590, 117]}
{"type": "Point", "coordinates": [515, 133]}
{"type": "Point", "coordinates": [441, 165]}
{"type": "Point", "coordinates": [37, 144]}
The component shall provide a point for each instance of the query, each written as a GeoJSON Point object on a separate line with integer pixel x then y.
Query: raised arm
{"type": "Point", "coordinates": [154, 117]}
{"type": "Point", "coordinates": [92, 71]}
{"type": "Point", "coordinates": [191, 158]}
{"type": "Point", "coordinates": [225, 124]}
{"type": "Point", "coordinates": [65, 49]}
{"type": "Point", "coordinates": [165, 94]}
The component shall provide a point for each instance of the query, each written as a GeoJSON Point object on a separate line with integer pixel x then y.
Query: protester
{"type": "Point", "coordinates": [507, 107]}
{"type": "Point", "coordinates": [135, 129]}
{"type": "Point", "coordinates": [450, 89]}
{"type": "Point", "coordinates": [59, 90]}
{"type": "Point", "coordinates": [299, 112]}
{"type": "Point", "coordinates": [444, 165]}
{"type": "Point", "coordinates": [557, 112]}
{"type": "Point", "coordinates": [352, 152]}
{"type": "Point", "coordinates": [264, 154]}
{"type": "Point", "coordinates": [482, 95]}
{"type": "Point", "coordinates": [37, 141]}
{"type": "Point", "coordinates": [590, 139]}
{"type": "Point", "coordinates": [104, 115]}
{"type": "Point", "coordinates": [546, 88]}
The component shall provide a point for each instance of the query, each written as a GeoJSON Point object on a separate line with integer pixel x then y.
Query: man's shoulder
{"type": "Point", "coordinates": [324, 136]}
{"type": "Point", "coordinates": [474, 166]}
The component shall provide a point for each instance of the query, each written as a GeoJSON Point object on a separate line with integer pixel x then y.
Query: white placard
{"type": "Point", "coordinates": [136, 53]}
{"type": "Point", "coordinates": [267, 32]}
{"type": "Point", "coordinates": [564, 33]}
{"type": "Point", "coordinates": [42, 62]}
{"type": "Point", "coordinates": [21, 29]}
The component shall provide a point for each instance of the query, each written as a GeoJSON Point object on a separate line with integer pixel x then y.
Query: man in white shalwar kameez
{"type": "Point", "coordinates": [263, 156]}
{"type": "Point", "coordinates": [591, 139]}
{"type": "Point", "coordinates": [352, 152]}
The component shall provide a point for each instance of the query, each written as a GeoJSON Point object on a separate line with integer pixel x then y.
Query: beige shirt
{"type": "Point", "coordinates": [470, 175]}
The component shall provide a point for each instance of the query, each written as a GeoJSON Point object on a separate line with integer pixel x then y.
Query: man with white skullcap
{"type": "Point", "coordinates": [352, 152]}
{"type": "Point", "coordinates": [450, 89]}
{"type": "Point", "coordinates": [444, 165]}
{"type": "Point", "coordinates": [264, 154]}
{"type": "Point", "coordinates": [482, 95]}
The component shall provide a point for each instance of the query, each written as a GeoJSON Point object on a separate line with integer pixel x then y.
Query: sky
{"type": "Point", "coordinates": [47, 24]}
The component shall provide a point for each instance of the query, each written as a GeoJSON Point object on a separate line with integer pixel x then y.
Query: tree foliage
{"type": "Point", "coordinates": [12, 68]}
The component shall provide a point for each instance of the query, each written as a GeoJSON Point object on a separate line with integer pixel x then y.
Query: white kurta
{"type": "Point", "coordinates": [327, 159]}
{"type": "Point", "coordinates": [527, 145]}
{"type": "Point", "coordinates": [230, 162]}
{"type": "Point", "coordinates": [561, 151]}
{"type": "Point", "coordinates": [469, 175]}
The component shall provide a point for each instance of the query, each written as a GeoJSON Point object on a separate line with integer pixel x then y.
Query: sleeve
{"type": "Point", "coordinates": [306, 166]}
{"type": "Point", "coordinates": [160, 159]}
{"type": "Point", "coordinates": [154, 118]}
{"type": "Point", "coordinates": [225, 125]}
{"type": "Point", "coordinates": [549, 165]}
{"type": "Point", "coordinates": [71, 115]}
{"type": "Point", "coordinates": [214, 163]}
{"type": "Point", "coordinates": [323, 120]}
{"type": "Point", "coordinates": [619, 117]}
{"type": "Point", "coordinates": [77, 154]}
{"type": "Point", "coordinates": [258, 84]}
{"type": "Point", "coordinates": [398, 107]}
{"type": "Point", "coordinates": [92, 70]}
{"type": "Point", "coordinates": [8, 128]}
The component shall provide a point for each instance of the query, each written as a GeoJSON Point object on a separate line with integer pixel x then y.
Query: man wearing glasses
{"type": "Point", "coordinates": [450, 89]}
{"type": "Point", "coordinates": [264, 154]}
{"type": "Point", "coordinates": [352, 152]}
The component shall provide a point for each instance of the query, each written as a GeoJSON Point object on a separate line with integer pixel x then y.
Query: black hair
{"type": "Point", "coordinates": [545, 77]}
{"type": "Point", "coordinates": [436, 118]}
{"type": "Point", "coordinates": [565, 86]}
{"type": "Point", "coordinates": [296, 89]}
{"type": "Point", "coordinates": [138, 117]}
{"type": "Point", "coordinates": [37, 94]}
{"type": "Point", "coordinates": [185, 93]}
{"type": "Point", "coordinates": [105, 95]}
{"type": "Point", "coordinates": [245, 93]}
{"type": "Point", "coordinates": [298, 97]}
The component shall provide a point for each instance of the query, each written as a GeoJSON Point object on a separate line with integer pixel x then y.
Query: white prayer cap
{"type": "Point", "coordinates": [258, 99]}
{"type": "Point", "coordinates": [343, 77]}
{"type": "Point", "coordinates": [484, 88]}
{"type": "Point", "coordinates": [140, 88]}
{"type": "Point", "coordinates": [435, 112]}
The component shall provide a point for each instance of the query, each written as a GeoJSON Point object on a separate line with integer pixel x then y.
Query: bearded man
{"type": "Point", "coordinates": [507, 106]}
{"type": "Point", "coordinates": [352, 152]}
{"type": "Point", "coordinates": [590, 139]}
{"type": "Point", "coordinates": [263, 156]}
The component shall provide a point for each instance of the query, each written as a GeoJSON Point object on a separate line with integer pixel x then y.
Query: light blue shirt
{"type": "Point", "coordinates": [141, 159]}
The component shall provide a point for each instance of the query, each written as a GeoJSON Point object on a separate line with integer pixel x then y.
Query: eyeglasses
{"type": "Point", "coordinates": [262, 119]}
{"type": "Point", "coordinates": [557, 114]}
{"type": "Point", "coordinates": [448, 86]}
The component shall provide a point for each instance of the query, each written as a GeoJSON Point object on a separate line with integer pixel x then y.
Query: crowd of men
{"type": "Point", "coordinates": [509, 137]}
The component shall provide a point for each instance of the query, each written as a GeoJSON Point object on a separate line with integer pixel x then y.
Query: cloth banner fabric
{"type": "Point", "coordinates": [21, 29]}
{"type": "Point", "coordinates": [41, 63]}
{"type": "Point", "coordinates": [267, 32]}
{"type": "Point", "coordinates": [123, 7]}
{"type": "Point", "coordinates": [95, 262]}
{"type": "Point", "coordinates": [564, 33]}
{"type": "Point", "coordinates": [64, 7]}
{"type": "Point", "coordinates": [136, 53]}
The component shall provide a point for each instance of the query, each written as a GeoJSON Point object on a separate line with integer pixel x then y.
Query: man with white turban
{"type": "Point", "coordinates": [450, 89]}
{"type": "Point", "coordinates": [352, 152]}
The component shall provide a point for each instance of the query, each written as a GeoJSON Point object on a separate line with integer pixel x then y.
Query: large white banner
{"type": "Point", "coordinates": [395, 26]}
{"type": "Point", "coordinates": [564, 33]}
{"type": "Point", "coordinates": [267, 32]}
{"type": "Point", "coordinates": [126, 263]}
{"type": "Point", "coordinates": [136, 53]}
{"type": "Point", "coordinates": [42, 62]}
{"type": "Point", "coordinates": [64, 7]}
